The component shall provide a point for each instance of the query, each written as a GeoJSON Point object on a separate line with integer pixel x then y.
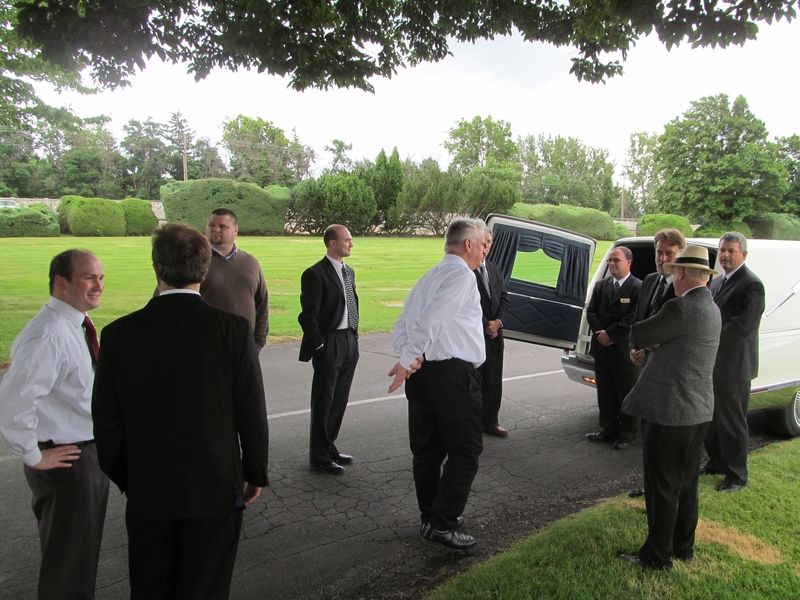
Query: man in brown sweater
{"type": "Point", "coordinates": [235, 281]}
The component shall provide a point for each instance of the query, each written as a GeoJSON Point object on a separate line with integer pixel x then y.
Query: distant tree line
{"type": "Point", "coordinates": [713, 162]}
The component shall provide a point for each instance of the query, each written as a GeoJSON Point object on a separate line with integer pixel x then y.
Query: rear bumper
{"type": "Point", "coordinates": [580, 368]}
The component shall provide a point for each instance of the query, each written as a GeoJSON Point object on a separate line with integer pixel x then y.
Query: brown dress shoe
{"type": "Point", "coordinates": [495, 430]}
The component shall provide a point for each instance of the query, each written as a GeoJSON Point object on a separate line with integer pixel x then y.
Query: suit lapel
{"type": "Point", "coordinates": [729, 285]}
{"type": "Point", "coordinates": [330, 270]}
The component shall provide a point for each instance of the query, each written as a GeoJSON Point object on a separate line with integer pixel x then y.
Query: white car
{"type": "Point", "coordinates": [552, 311]}
{"type": "Point", "coordinates": [5, 203]}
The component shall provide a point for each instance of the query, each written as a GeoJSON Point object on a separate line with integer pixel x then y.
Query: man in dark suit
{"type": "Point", "coordinates": [181, 426]}
{"type": "Point", "coordinates": [495, 307]}
{"type": "Point", "coordinates": [674, 398]}
{"type": "Point", "coordinates": [610, 314]}
{"type": "Point", "coordinates": [657, 287]}
{"type": "Point", "coordinates": [329, 318]}
{"type": "Point", "coordinates": [740, 297]}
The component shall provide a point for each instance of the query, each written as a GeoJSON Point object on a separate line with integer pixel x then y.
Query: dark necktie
{"type": "Point", "coordinates": [616, 288]}
{"type": "Point", "coordinates": [721, 286]}
{"type": "Point", "coordinates": [655, 305]}
{"type": "Point", "coordinates": [91, 339]}
{"type": "Point", "coordinates": [485, 280]}
{"type": "Point", "coordinates": [350, 298]}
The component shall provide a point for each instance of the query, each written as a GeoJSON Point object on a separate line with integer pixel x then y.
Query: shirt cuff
{"type": "Point", "coordinates": [34, 457]}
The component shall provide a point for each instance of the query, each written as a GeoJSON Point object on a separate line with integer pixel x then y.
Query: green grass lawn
{"type": "Point", "coordinates": [747, 547]}
{"type": "Point", "coordinates": [386, 268]}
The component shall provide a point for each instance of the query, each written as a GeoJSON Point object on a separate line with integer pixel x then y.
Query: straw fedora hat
{"type": "Point", "coordinates": [692, 256]}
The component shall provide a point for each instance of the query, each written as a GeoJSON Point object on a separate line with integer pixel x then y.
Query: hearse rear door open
{"type": "Point", "coordinates": [546, 270]}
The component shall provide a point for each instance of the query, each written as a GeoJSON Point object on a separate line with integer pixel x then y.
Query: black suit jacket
{"type": "Point", "coordinates": [494, 305]}
{"type": "Point", "coordinates": [615, 315]}
{"type": "Point", "coordinates": [648, 290]}
{"type": "Point", "coordinates": [741, 304]}
{"type": "Point", "coordinates": [178, 408]}
{"type": "Point", "coordinates": [322, 304]}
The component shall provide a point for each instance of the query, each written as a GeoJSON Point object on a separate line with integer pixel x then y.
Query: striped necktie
{"type": "Point", "coordinates": [485, 280]}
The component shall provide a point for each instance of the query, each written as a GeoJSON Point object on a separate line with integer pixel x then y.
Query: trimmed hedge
{"type": "Point", "coordinates": [588, 221]}
{"type": "Point", "coordinates": [775, 226]}
{"type": "Point", "coordinates": [714, 229]}
{"type": "Point", "coordinates": [91, 217]}
{"type": "Point", "coordinates": [36, 220]}
{"type": "Point", "coordinates": [621, 231]}
{"type": "Point", "coordinates": [652, 224]}
{"type": "Point", "coordinates": [259, 211]}
{"type": "Point", "coordinates": [139, 216]}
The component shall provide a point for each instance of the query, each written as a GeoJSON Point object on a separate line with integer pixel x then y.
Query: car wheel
{"type": "Point", "coordinates": [786, 420]}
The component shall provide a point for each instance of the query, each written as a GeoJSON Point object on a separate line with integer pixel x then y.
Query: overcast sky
{"type": "Point", "coordinates": [527, 85]}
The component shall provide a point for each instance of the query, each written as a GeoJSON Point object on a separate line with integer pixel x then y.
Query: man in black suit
{"type": "Point", "coordinates": [610, 314]}
{"type": "Point", "coordinates": [329, 318]}
{"type": "Point", "coordinates": [495, 307]}
{"type": "Point", "coordinates": [181, 426]}
{"type": "Point", "coordinates": [740, 298]}
{"type": "Point", "coordinates": [657, 287]}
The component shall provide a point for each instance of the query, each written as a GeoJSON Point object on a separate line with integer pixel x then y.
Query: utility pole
{"type": "Point", "coordinates": [185, 160]}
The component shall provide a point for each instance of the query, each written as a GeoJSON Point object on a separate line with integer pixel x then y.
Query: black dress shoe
{"type": "Point", "coordinates": [600, 436]}
{"type": "Point", "coordinates": [450, 538]}
{"type": "Point", "coordinates": [729, 486]}
{"type": "Point", "coordinates": [636, 493]}
{"type": "Point", "coordinates": [495, 430]}
{"type": "Point", "coordinates": [330, 468]}
{"type": "Point", "coordinates": [623, 442]}
{"type": "Point", "coordinates": [343, 459]}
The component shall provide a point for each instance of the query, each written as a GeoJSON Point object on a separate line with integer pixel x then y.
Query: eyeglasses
{"type": "Point", "coordinates": [615, 260]}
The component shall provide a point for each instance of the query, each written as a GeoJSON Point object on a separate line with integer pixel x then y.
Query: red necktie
{"type": "Point", "coordinates": [91, 339]}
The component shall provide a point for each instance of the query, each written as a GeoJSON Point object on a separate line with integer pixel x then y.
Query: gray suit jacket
{"type": "Point", "coordinates": [675, 385]}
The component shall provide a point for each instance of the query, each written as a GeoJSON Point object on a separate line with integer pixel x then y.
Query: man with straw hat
{"type": "Point", "coordinates": [674, 398]}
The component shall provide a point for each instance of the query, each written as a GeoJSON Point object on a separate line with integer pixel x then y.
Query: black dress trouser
{"type": "Point", "coordinates": [334, 368]}
{"type": "Point", "coordinates": [444, 427]}
{"type": "Point", "coordinates": [671, 472]}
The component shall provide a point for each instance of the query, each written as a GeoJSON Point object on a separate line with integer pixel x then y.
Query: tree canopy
{"type": "Point", "coordinates": [559, 170]}
{"type": "Point", "coordinates": [480, 143]}
{"type": "Point", "coordinates": [21, 65]}
{"type": "Point", "coordinates": [716, 160]}
{"type": "Point", "coordinates": [343, 44]}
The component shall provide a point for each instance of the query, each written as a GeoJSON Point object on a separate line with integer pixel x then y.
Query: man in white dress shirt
{"type": "Point", "coordinates": [45, 418]}
{"type": "Point", "coordinates": [439, 337]}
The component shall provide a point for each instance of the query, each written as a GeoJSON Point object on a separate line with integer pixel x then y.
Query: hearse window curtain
{"type": "Point", "coordinates": [504, 249]}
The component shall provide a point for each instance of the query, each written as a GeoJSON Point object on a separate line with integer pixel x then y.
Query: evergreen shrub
{"type": "Point", "coordinates": [91, 217]}
{"type": "Point", "coordinates": [621, 231]}
{"type": "Point", "coordinates": [652, 224]}
{"type": "Point", "coordinates": [775, 226]}
{"type": "Point", "coordinates": [36, 220]}
{"type": "Point", "coordinates": [139, 216]}
{"type": "Point", "coordinates": [588, 221]}
{"type": "Point", "coordinates": [714, 229]}
{"type": "Point", "coordinates": [259, 211]}
{"type": "Point", "coordinates": [63, 212]}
